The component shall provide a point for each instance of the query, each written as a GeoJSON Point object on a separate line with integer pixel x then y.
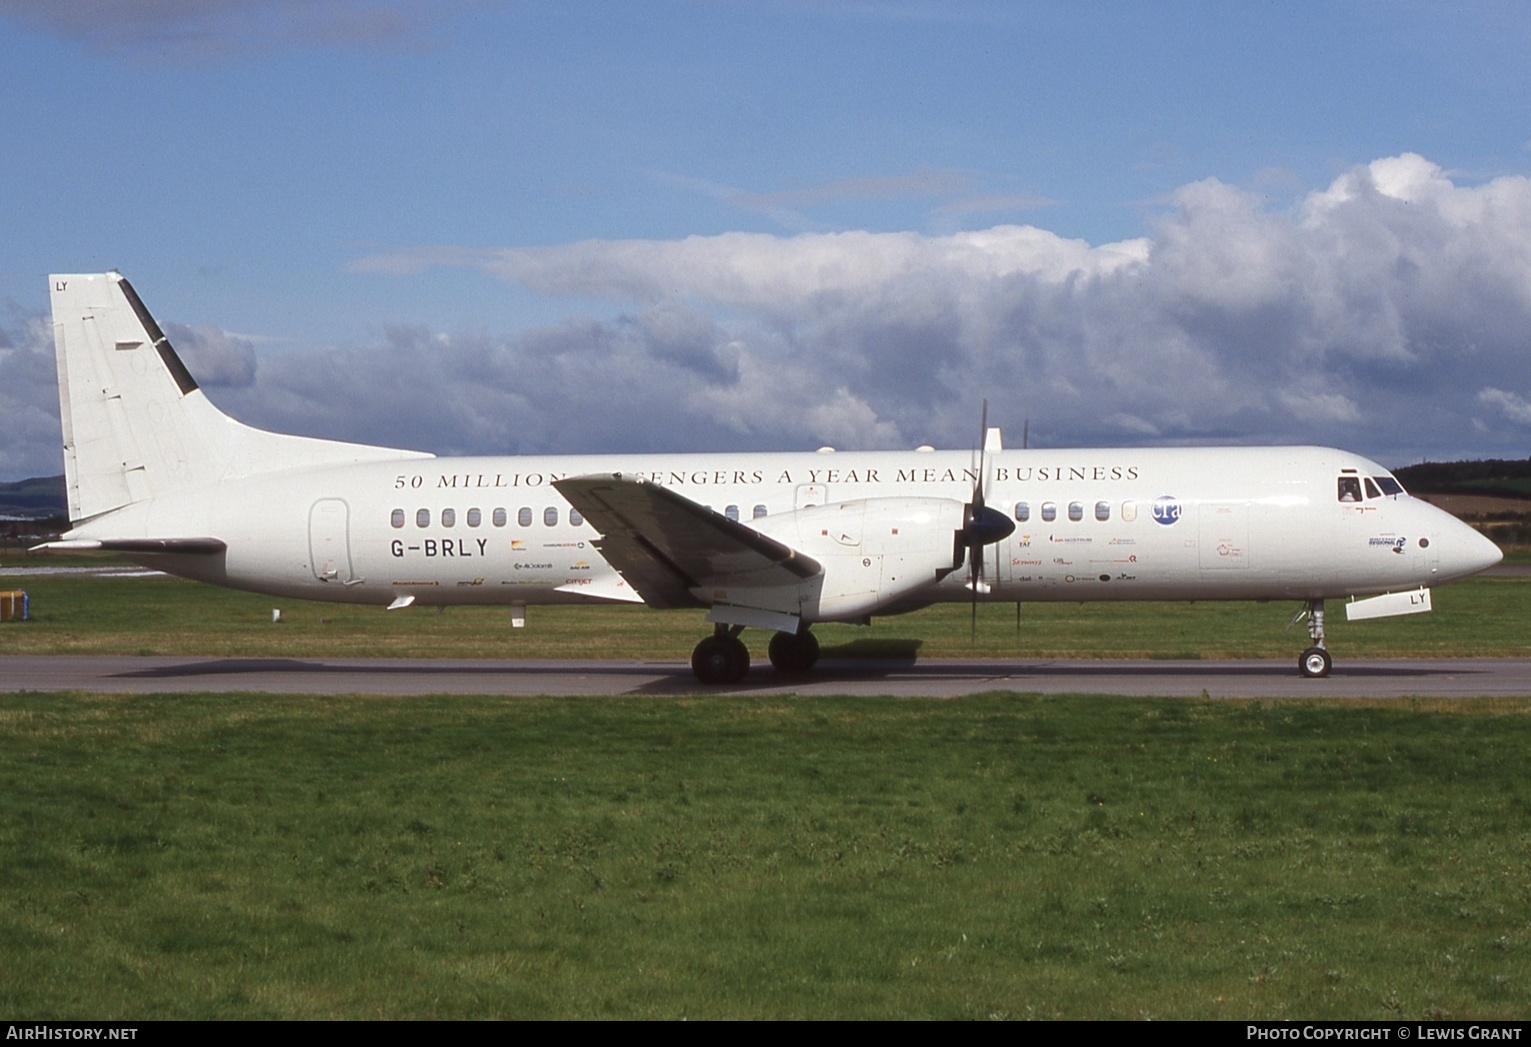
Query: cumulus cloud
{"type": "Point", "coordinates": [214, 355]}
{"type": "Point", "coordinates": [761, 272]}
{"type": "Point", "coordinates": [1370, 315]}
{"type": "Point", "coordinates": [1512, 406]}
{"type": "Point", "coordinates": [32, 445]}
{"type": "Point", "coordinates": [1388, 312]}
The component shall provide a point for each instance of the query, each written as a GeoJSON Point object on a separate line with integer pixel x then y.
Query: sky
{"type": "Point", "coordinates": [481, 227]}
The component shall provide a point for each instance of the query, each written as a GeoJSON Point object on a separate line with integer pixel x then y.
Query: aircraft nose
{"type": "Point", "coordinates": [1463, 552]}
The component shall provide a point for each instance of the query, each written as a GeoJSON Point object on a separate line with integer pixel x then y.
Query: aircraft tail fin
{"type": "Point", "coordinates": [136, 426]}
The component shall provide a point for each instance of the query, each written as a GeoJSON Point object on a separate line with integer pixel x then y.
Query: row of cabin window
{"type": "Point", "coordinates": [475, 517]}
{"type": "Point", "coordinates": [500, 517]}
{"type": "Point", "coordinates": [1049, 511]}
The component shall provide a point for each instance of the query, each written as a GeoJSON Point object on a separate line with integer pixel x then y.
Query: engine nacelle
{"type": "Point", "coordinates": [874, 551]}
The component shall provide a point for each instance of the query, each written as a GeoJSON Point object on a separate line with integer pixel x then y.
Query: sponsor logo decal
{"type": "Point", "coordinates": [1166, 509]}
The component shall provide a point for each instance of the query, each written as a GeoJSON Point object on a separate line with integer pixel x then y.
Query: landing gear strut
{"type": "Point", "coordinates": [793, 653]}
{"type": "Point", "coordinates": [722, 658]}
{"type": "Point", "coordinates": [1315, 661]}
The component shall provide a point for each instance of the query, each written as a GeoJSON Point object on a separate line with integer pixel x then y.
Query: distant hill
{"type": "Point", "coordinates": [1494, 495]}
{"type": "Point", "coordinates": [1499, 477]}
{"type": "Point", "coordinates": [39, 498]}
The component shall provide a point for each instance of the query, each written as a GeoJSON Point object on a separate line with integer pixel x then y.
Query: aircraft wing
{"type": "Point", "coordinates": [669, 548]}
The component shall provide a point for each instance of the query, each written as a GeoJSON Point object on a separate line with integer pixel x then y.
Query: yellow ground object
{"type": "Point", "coordinates": [13, 605]}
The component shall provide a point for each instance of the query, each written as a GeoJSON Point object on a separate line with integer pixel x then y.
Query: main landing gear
{"type": "Point", "coordinates": [1315, 661]}
{"type": "Point", "coordinates": [722, 657]}
{"type": "Point", "coordinates": [794, 653]}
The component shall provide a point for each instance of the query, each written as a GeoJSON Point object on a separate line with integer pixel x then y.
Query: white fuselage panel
{"type": "Point", "coordinates": [1119, 524]}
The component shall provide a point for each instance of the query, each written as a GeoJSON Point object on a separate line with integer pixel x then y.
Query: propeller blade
{"type": "Point", "coordinates": [981, 525]}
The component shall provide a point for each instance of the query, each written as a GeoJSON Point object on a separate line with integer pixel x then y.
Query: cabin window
{"type": "Point", "coordinates": [1129, 511]}
{"type": "Point", "coordinates": [1350, 489]}
{"type": "Point", "coordinates": [524, 516]}
{"type": "Point", "coordinates": [475, 517]}
{"type": "Point", "coordinates": [397, 519]}
{"type": "Point", "coordinates": [732, 512]}
{"type": "Point", "coordinates": [759, 511]}
{"type": "Point", "coordinates": [1076, 511]}
{"type": "Point", "coordinates": [550, 516]}
{"type": "Point", "coordinates": [423, 518]}
{"type": "Point", "coordinates": [449, 517]}
{"type": "Point", "coordinates": [1049, 511]}
{"type": "Point", "coordinates": [500, 517]}
{"type": "Point", "coordinates": [1102, 511]}
{"type": "Point", "coordinates": [575, 517]}
{"type": "Point", "coordinates": [1023, 511]}
{"type": "Point", "coordinates": [1371, 488]}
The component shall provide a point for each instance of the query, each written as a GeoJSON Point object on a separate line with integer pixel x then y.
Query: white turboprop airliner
{"type": "Point", "coordinates": [772, 541]}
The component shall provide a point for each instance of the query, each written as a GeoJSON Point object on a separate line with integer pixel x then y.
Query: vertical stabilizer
{"type": "Point", "coordinates": [135, 424]}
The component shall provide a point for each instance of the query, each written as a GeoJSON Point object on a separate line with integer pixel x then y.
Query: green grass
{"type": "Point", "coordinates": [73, 615]}
{"type": "Point", "coordinates": [1003, 856]}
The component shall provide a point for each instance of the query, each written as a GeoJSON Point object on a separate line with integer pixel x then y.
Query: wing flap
{"type": "Point", "coordinates": [670, 549]}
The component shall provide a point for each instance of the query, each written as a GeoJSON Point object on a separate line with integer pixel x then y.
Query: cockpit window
{"type": "Point", "coordinates": [1350, 489]}
{"type": "Point", "coordinates": [1371, 488]}
{"type": "Point", "coordinates": [1389, 485]}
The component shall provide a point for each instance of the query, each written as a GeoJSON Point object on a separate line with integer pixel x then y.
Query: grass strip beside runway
{"type": "Point", "coordinates": [1482, 617]}
{"type": "Point", "coordinates": [1003, 856]}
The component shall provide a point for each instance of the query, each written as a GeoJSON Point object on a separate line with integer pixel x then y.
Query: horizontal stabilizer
{"type": "Point", "coordinates": [668, 547]}
{"type": "Point", "coordinates": [204, 546]}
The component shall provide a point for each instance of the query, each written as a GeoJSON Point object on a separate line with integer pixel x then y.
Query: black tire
{"type": "Point", "coordinates": [794, 653]}
{"type": "Point", "coordinates": [720, 660]}
{"type": "Point", "coordinates": [1315, 663]}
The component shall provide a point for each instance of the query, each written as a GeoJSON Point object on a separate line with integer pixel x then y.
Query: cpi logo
{"type": "Point", "coordinates": [1166, 509]}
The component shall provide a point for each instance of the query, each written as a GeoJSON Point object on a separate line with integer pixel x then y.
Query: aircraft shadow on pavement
{"type": "Point", "coordinates": [852, 663]}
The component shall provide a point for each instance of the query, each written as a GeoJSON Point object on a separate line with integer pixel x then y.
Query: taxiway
{"type": "Point", "coordinates": [1379, 678]}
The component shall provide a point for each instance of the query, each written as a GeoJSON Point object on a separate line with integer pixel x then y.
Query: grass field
{"type": "Point", "coordinates": [1004, 856]}
{"type": "Point", "coordinates": [74, 615]}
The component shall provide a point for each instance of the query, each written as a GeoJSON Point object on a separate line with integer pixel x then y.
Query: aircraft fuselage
{"type": "Point", "coordinates": [1099, 524]}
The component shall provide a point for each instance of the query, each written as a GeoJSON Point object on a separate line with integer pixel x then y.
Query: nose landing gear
{"type": "Point", "coordinates": [1315, 661]}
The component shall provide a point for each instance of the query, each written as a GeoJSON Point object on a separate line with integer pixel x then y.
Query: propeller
{"type": "Point", "coordinates": [981, 525]}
